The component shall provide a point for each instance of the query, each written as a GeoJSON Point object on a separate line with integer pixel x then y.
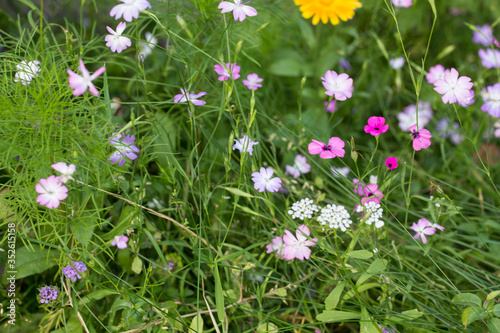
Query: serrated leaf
{"type": "Point", "coordinates": [333, 299]}
{"type": "Point", "coordinates": [360, 254]}
{"type": "Point", "coordinates": [466, 299]}
{"type": "Point", "coordinates": [137, 265]}
{"type": "Point", "coordinates": [337, 316]}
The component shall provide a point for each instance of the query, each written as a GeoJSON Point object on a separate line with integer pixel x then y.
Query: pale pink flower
{"type": "Point", "coordinates": [453, 88]}
{"type": "Point", "coordinates": [240, 11]}
{"type": "Point", "coordinates": [402, 3]}
{"type": "Point", "coordinates": [228, 71]}
{"type": "Point", "coordinates": [245, 144]}
{"type": "Point", "coordinates": [408, 116]}
{"type": "Point", "coordinates": [359, 186]}
{"type": "Point", "coordinates": [483, 36]}
{"type": "Point", "coordinates": [423, 228]}
{"type": "Point", "coordinates": [27, 70]}
{"type": "Point", "coordinates": [80, 84]}
{"type": "Point", "coordinates": [490, 58]}
{"type": "Point", "coordinates": [120, 242]}
{"type": "Point", "coordinates": [491, 96]}
{"type": "Point", "coordinates": [263, 180]}
{"type": "Point", "coordinates": [276, 246]}
{"type": "Point", "coordinates": [299, 167]}
{"type": "Point", "coordinates": [338, 85]}
{"type": "Point", "coordinates": [65, 170]}
{"type": "Point", "coordinates": [185, 96]}
{"type": "Point", "coordinates": [116, 42]}
{"type": "Point", "coordinates": [253, 81]}
{"type": "Point", "coordinates": [129, 9]}
{"type": "Point", "coordinates": [436, 73]}
{"type": "Point", "coordinates": [421, 138]}
{"type": "Point", "coordinates": [51, 192]}
{"type": "Point", "coordinates": [298, 247]}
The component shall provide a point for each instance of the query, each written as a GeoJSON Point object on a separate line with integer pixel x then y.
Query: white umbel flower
{"type": "Point", "coordinates": [336, 216]}
{"type": "Point", "coordinates": [374, 212]}
{"type": "Point", "coordinates": [303, 209]}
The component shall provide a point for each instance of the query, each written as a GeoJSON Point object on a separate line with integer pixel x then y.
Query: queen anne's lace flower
{"type": "Point", "coordinates": [374, 212]}
{"type": "Point", "coordinates": [336, 216]}
{"type": "Point", "coordinates": [303, 209]}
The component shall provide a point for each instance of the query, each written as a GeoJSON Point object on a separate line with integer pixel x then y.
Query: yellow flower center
{"type": "Point", "coordinates": [328, 10]}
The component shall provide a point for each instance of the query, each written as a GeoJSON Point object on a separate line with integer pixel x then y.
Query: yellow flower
{"type": "Point", "coordinates": [325, 10]}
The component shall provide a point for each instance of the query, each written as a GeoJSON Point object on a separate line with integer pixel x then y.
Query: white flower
{"type": "Point", "coordinates": [303, 209]}
{"type": "Point", "coordinates": [408, 117]}
{"type": "Point", "coordinates": [146, 47]}
{"type": "Point", "coordinates": [336, 216]}
{"type": "Point", "coordinates": [337, 172]}
{"type": "Point", "coordinates": [129, 9]}
{"type": "Point", "coordinates": [374, 213]}
{"type": "Point", "coordinates": [397, 63]}
{"type": "Point", "coordinates": [116, 42]}
{"type": "Point", "coordinates": [27, 71]}
{"type": "Point", "coordinates": [244, 145]}
{"type": "Point", "coordinates": [65, 170]}
{"type": "Point", "coordinates": [373, 179]}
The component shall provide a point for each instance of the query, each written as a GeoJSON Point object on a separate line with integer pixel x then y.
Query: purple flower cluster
{"type": "Point", "coordinates": [48, 294]}
{"type": "Point", "coordinates": [71, 273]}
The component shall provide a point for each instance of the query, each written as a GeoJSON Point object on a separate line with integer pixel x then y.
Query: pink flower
{"type": "Point", "coordinates": [397, 63]}
{"type": "Point", "coordinates": [81, 83]}
{"type": "Point", "coordinates": [297, 247]}
{"type": "Point", "coordinates": [185, 96]}
{"type": "Point", "coordinates": [129, 9]}
{"type": "Point", "coordinates": [120, 242]}
{"type": "Point", "coordinates": [491, 96]}
{"type": "Point", "coordinates": [116, 42]}
{"type": "Point", "coordinates": [421, 138]}
{"type": "Point", "coordinates": [372, 193]}
{"type": "Point", "coordinates": [453, 88]}
{"type": "Point", "coordinates": [276, 246]}
{"type": "Point", "coordinates": [490, 58]}
{"type": "Point", "coordinates": [408, 116]}
{"type": "Point", "coordinates": [240, 11]}
{"type": "Point", "coordinates": [65, 170]}
{"type": "Point", "coordinates": [223, 71]}
{"type": "Point", "coordinates": [51, 192]}
{"type": "Point", "coordinates": [334, 148]}
{"type": "Point", "coordinates": [402, 3]}
{"type": "Point", "coordinates": [483, 36]}
{"type": "Point", "coordinates": [423, 228]}
{"type": "Point", "coordinates": [253, 81]}
{"type": "Point", "coordinates": [338, 85]}
{"type": "Point", "coordinates": [391, 163]}
{"type": "Point", "coordinates": [300, 167]}
{"type": "Point", "coordinates": [263, 181]}
{"type": "Point", "coordinates": [437, 226]}
{"type": "Point", "coordinates": [436, 73]}
{"type": "Point", "coordinates": [330, 106]}
{"type": "Point", "coordinates": [124, 148]}
{"type": "Point", "coordinates": [244, 145]}
{"type": "Point", "coordinates": [376, 126]}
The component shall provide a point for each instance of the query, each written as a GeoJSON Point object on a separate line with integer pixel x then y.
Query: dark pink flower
{"type": "Point", "coordinates": [421, 138]}
{"type": "Point", "coordinates": [376, 126]}
{"type": "Point", "coordinates": [372, 193]}
{"type": "Point", "coordinates": [423, 228]}
{"type": "Point", "coordinates": [330, 106]}
{"type": "Point", "coordinates": [334, 148]}
{"type": "Point", "coordinates": [228, 71]}
{"type": "Point", "coordinates": [391, 163]}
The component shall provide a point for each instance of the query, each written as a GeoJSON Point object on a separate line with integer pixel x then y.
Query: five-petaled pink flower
{"type": "Point", "coordinates": [372, 193]}
{"type": "Point", "coordinates": [263, 180]}
{"type": "Point", "coordinates": [253, 81]}
{"type": "Point", "coordinates": [185, 96]}
{"type": "Point", "coordinates": [276, 246]}
{"type": "Point", "coordinates": [80, 84]}
{"type": "Point", "coordinates": [120, 242]}
{"type": "Point", "coordinates": [490, 58]}
{"type": "Point", "coordinates": [421, 137]}
{"type": "Point", "coordinates": [483, 36]}
{"type": "Point", "coordinates": [436, 73]}
{"type": "Point", "coordinates": [299, 167]}
{"type": "Point", "coordinates": [391, 163]}
{"type": "Point", "coordinates": [124, 148]}
{"type": "Point", "coordinates": [51, 192]}
{"type": "Point", "coordinates": [453, 88]}
{"type": "Point", "coordinates": [376, 126]}
{"type": "Point", "coordinates": [65, 170]}
{"type": "Point", "coordinates": [423, 228]}
{"type": "Point", "coordinates": [240, 11]}
{"type": "Point", "coordinates": [116, 42]}
{"type": "Point", "coordinates": [228, 71]}
{"type": "Point", "coordinates": [129, 9]}
{"type": "Point", "coordinates": [297, 247]}
{"type": "Point", "coordinates": [338, 85]}
{"type": "Point", "coordinates": [491, 96]}
{"type": "Point", "coordinates": [334, 148]}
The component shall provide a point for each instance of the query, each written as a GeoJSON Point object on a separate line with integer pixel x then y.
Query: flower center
{"type": "Point", "coordinates": [415, 134]}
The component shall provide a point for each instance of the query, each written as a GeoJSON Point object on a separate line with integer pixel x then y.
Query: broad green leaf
{"type": "Point", "coordinates": [366, 323]}
{"type": "Point", "coordinates": [492, 295]}
{"type": "Point", "coordinates": [333, 299]}
{"type": "Point", "coordinates": [137, 265]}
{"type": "Point", "coordinates": [472, 314]}
{"type": "Point", "coordinates": [360, 254]}
{"type": "Point", "coordinates": [98, 295]}
{"type": "Point", "coordinates": [267, 328]}
{"type": "Point", "coordinates": [197, 324]}
{"type": "Point", "coordinates": [496, 310]}
{"type": "Point", "coordinates": [237, 192]}
{"type": "Point", "coordinates": [494, 325]}
{"type": "Point", "coordinates": [406, 316]}
{"type": "Point", "coordinates": [377, 266]}
{"type": "Point", "coordinates": [466, 299]}
{"type": "Point", "coordinates": [33, 260]}
{"type": "Point", "coordinates": [219, 296]}
{"type": "Point", "coordinates": [337, 316]}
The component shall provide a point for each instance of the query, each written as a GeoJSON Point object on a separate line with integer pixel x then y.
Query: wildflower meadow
{"type": "Point", "coordinates": [257, 166]}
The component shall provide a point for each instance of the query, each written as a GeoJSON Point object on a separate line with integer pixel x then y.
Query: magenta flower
{"type": "Point", "coordinates": [27, 70]}
{"type": "Point", "coordinates": [129, 9]}
{"type": "Point", "coordinates": [185, 96]}
{"type": "Point", "coordinates": [423, 228]}
{"type": "Point", "coordinates": [453, 88]}
{"type": "Point", "coordinates": [240, 11]}
{"type": "Point", "coordinates": [376, 126]}
{"type": "Point", "coordinates": [51, 192]}
{"type": "Point", "coordinates": [124, 148]}
{"type": "Point", "coordinates": [334, 148]}
{"type": "Point", "coordinates": [65, 170]}
{"type": "Point", "coordinates": [436, 73]}
{"type": "Point", "coordinates": [330, 106]}
{"type": "Point", "coordinates": [421, 138]}
{"type": "Point", "coordinates": [300, 167]}
{"type": "Point", "coordinates": [338, 85]}
{"type": "Point", "coordinates": [116, 42]}
{"type": "Point", "coordinates": [224, 73]}
{"type": "Point", "coordinates": [491, 96]}
{"type": "Point", "coordinates": [244, 145]}
{"type": "Point", "coordinates": [391, 163]}
{"type": "Point", "coordinates": [120, 242]}
{"type": "Point", "coordinates": [372, 194]}
{"type": "Point", "coordinates": [402, 3]}
{"type": "Point", "coordinates": [263, 181]}
{"type": "Point", "coordinates": [276, 246]}
{"type": "Point", "coordinates": [490, 58]}
{"type": "Point", "coordinates": [483, 36]}
{"type": "Point", "coordinates": [253, 81]}
{"type": "Point", "coordinates": [47, 295]}
{"type": "Point", "coordinates": [81, 83]}
{"type": "Point", "coordinates": [298, 247]}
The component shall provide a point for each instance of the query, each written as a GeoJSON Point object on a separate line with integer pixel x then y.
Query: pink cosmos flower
{"type": "Point", "coordinates": [453, 88]}
{"type": "Point", "coordinates": [297, 247]}
{"type": "Point", "coordinates": [223, 71]}
{"type": "Point", "coordinates": [423, 228]}
{"type": "Point", "coordinates": [51, 192]}
{"type": "Point", "coordinates": [402, 3]}
{"type": "Point", "coordinates": [185, 96]}
{"type": "Point", "coordinates": [330, 106]}
{"type": "Point", "coordinates": [338, 85]}
{"type": "Point", "coordinates": [391, 163]}
{"type": "Point", "coordinates": [483, 36]}
{"type": "Point", "coordinates": [129, 9]}
{"type": "Point", "coordinates": [81, 83]}
{"type": "Point", "coordinates": [116, 42]}
{"type": "Point", "coordinates": [491, 96]}
{"type": "Point", "coordinates": [253, 81]}
{"type": "Point", "coordinates": [372, 193]}
{"type": "Point", "coordinates": [65, 170]}
{"type": "Point", "coordinates": [124, 148]}
{"type": "Point", "coordinates": [276, 246]}
{"type": "Point", "coordinates": [263, 181]}
{"type": "Point", "coordinates": [421, 138]}
{"type": "Point", "coordinates": [120, 242]}
{"type": "Point", "coordinates": [490, 58]}
{"type": "Point", "coordinates": [334, 148]}
{"type": "Point", "coordinates": [27, 70]}
{"type": "Point", "coordinates": [300, 167]}
{"type": "Point", "coordinates": [436, 73]}
{"type": "Point", "coordinates": [240, 11]}
{"type": "Point", "coordinates": [376, 126]}
{"type": "Point", "coordinates": [244, 145]}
